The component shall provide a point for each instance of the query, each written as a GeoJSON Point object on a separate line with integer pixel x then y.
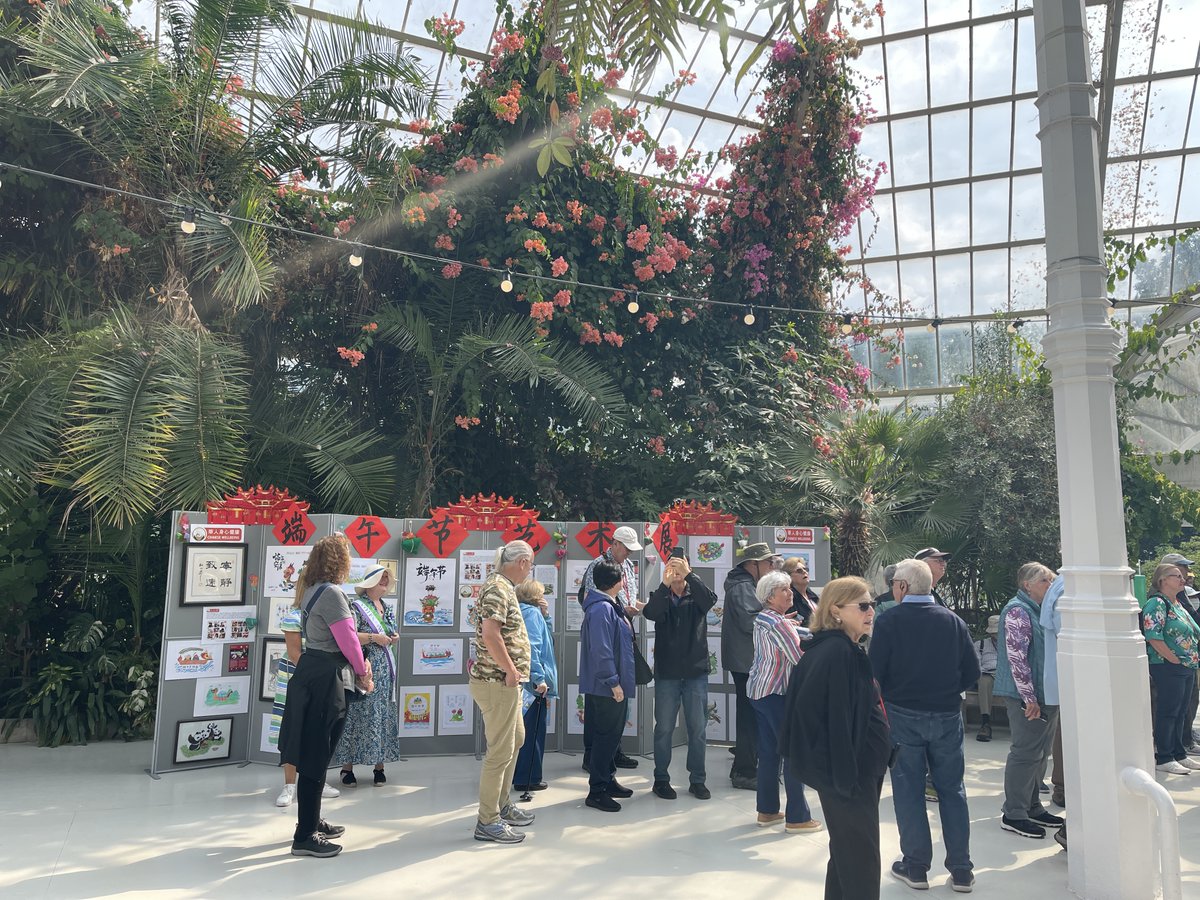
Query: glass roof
{"type": "Point", "coordinates": [958, 230]}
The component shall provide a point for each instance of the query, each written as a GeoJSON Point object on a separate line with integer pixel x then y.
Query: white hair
{"type": "Point", "coordinates": [512, 552]}
{"type": "Point", "coordinates": [769, 583]}
{"type": "Point", "coordinates": [916, 573]}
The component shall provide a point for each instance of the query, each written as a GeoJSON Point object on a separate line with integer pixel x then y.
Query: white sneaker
{"type": "Point", "coordinates": [1172, 768]}
{"type": "Point", "coordinates": [328, 792]}
{"type": "Point", "coordinates": [1188, 763]}
{"type": "Point", "coordinates": [286, 796]}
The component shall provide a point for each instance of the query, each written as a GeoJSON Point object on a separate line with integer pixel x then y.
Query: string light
{"type": "Point", "coordinates": [1014, 325]}
{"type": "Point", "coordinates": [188, 224]}
{"type": "Point", "coordinates": [356, 256]}
{"type": "Point", "coordinates": [633, 306]}
{"type": "Point", "coordinates": [748, 318]}
{"type": "Point", "coordinates": [847, 323]}
{"type": "Point", "coordinates": [1112, 308]}
{"type": "Point", "coordinates": [933, 325]}
{"type": "Point", "coordinates": [506, 285]}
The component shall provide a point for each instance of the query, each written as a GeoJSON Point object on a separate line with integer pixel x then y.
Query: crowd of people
{"type": "Point", "coordinates": [835, 690]}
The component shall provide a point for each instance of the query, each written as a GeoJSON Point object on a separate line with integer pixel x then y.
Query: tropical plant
{"type": "Point", "coordinates": [875, 479]}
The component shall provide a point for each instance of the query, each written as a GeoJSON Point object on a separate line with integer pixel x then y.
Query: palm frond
{"type": "Point", "coordinates": [235, 258]}
{"type": "Point", "coordinates": [208, 454]}
{"type": "Point", "coordinates": [30, 406]}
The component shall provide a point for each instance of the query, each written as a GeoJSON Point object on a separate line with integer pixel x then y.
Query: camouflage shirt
{"type": "Point", "coordinates": [498, 601]}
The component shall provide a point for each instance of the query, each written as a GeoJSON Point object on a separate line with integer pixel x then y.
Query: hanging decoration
{"type": "Point", "coordinates": [690, 517]}
{"type": "Point", "coordinates": [367, 534]}
{"type": "Point", "coordinates": [256, 506]}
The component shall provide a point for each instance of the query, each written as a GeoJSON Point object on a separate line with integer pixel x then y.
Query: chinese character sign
{"type": "Point", "coordinates": [367, 534]}
{"type": "Point", "coordinates": [528, 529]}
{"type": "Point", "coordinates": [596, 537]}
{"type": "Point", "coordinates": [441, 535]}
{"type": "Point", "coordinates": [294, 527]}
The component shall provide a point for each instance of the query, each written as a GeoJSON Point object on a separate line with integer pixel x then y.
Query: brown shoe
{"type": "Point", "coordinates": [803, 827]}
{"type": "Point", "coordinates": [765, 820]}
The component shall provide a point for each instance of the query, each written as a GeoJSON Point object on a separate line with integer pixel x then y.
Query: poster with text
{"type": "Point", "coordinates": [192, 659]}
{"type": "Point", "coordinates": [227, 696]}
{"type": "Point", "coordinates": [283, 570]}
{"type": "Point", "coordinates": [714, 729]}
{"type": "Point", "coordinates": [548, 576]}
{"type": "Point", "coordinates": [455, 712]}
{"type": "Point", "coordinates": [277, 608]}
{"type": "Point", "coordinates": [416, 711]}
{"type": "Point", "coordinates": [428, 592]}
{"type": "Point", "coordinates": [713, 551]}
{"type": "Point", "coordinates": [226, 624]}
{"type": "Point", "coordinates": [474, 566]}
{"type": "Point", "coordinates": [437, 656]}
{"type": "Point", "coordinates": [715, 674]}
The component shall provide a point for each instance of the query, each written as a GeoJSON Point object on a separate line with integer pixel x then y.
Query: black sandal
{"type": "Point", "coordinates": [380, 778]}
{"type": "Point", "coordinates": [348, 779]}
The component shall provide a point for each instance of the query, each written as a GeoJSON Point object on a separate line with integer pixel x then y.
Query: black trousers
{"type": "Point", "coordinates": [308, 793]}
{"type": "Point", "coordinates": [853, 823]}
{"type": "Point", "coordinates": [608, 724]}
{"type": "Point", "coordinates": [745, 751]}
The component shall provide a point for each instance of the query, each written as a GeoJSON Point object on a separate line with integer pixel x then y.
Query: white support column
{"type": "Point", "coordinates": [1101, 655]}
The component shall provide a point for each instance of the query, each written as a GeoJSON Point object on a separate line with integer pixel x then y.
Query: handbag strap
{"type": "Point", "coordinates": [308, 608]}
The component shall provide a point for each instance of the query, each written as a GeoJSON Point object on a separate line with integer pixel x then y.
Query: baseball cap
{"type": "Point", "coordinates": [627, 536]}
{"type": "Point", "coordinates": [931, 553]}
{"type": "Point", "coordinates": [1177, 559]}
{"type": "Point", "coordinates": [993, 625]}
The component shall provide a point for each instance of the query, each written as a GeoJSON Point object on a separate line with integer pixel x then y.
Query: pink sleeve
{"type": "Point", "coordinates": [347, 641]}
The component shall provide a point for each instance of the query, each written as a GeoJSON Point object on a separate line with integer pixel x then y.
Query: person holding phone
{"type": "Point", "coordinates": [1020, 680]}
{"type": "Point", "coordinates": [679, 609]}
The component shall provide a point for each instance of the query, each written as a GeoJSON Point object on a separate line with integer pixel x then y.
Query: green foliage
{"type": "Point", "coordinates": [1157, 508]}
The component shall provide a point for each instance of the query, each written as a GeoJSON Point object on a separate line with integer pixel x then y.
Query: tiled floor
{"type": "Point", "coordinates": [88, 822]}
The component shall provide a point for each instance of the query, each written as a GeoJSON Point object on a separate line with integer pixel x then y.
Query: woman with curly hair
{"type": "Point", "coordinates": [331, 666]}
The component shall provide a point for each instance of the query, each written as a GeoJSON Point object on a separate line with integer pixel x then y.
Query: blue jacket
{"type": "Point", "coordinates": [606, 648]}
{"type": "Point", "coordinates": [542, 667]}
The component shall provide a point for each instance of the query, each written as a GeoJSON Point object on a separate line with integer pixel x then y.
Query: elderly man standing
{"type": "Point", "coordinates": [679, 609]}
{"type": "Point", "coordinates": [936, 560]}
{"type": "Point", "coordinates": [923, 659]}
{"type": "Point", "coordinates": [737, 655]}
{"type": "Point", "coordinates": [624, 542]}
{"type": "Point", "coordinates": [502, 656]}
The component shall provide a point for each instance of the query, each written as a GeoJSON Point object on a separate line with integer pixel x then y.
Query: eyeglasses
{"type": "Point", "coordinates": [863, 605]}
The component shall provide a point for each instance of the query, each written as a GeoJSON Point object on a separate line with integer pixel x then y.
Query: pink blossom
{"type": "Point", "coordinates": [589, 334]}
{"type": "Point", "coordinates": [451, 270]}
{"type": "Point", "coordinates": [559, 267]}
{"type": "Point", "coordinates": [562, 299]}
{"type": "Point", "coordinates": [542, 311]}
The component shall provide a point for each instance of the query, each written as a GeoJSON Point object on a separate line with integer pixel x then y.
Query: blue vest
{"type": "Point", "coordinates": [1005, 686]}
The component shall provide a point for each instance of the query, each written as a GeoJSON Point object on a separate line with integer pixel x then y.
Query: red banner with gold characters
{"type": "Point", "coordinates": [687, 517]}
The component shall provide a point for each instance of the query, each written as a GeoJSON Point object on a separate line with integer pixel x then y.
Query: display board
{"type": "Point", "coordinates": [229, 585]}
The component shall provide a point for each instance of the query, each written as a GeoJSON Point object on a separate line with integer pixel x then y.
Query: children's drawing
{"type": "Point", "coordinates": [455, 710]}
{"type": "Point", "coordinates": [428, 592]}
{"type": "Point", "coordinates": [715, 673]}
{"type": "Point", "coordinates": [416, 711]}
{"type": "Point", "coordinates": [283, 570]}
{"type": "Point", "coordinates": [437, 656]}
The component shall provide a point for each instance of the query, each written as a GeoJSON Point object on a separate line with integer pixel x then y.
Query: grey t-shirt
{"type": "Point", "coordinates": [331, 607]}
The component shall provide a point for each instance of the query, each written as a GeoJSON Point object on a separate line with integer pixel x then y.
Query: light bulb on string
{"type": "Point", "coordinates": [933, 325]}
{"type": "Point", "coordinates": [748, 318]}
{"type": "Point", "coordinates": [356, 257]}
{"type": "Point", "coordinates": [847, 323]}
{"type": "Point", "coordinates": [1013, 325]}
{"type": "Point", "coordinates": [633, 306]}
{"type": "Point", "coordinates": [506, 285]}
{"type": "Point", "coordinates": [188, 224]}
{"type": "Point", "coordinates": [1112, 309]}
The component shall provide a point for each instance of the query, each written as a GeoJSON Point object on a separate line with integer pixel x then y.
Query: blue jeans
{"type": "Point", "coordinates": [669, 695]}
{"type": "Point", "coordinates": [1175, 684]}
{"type": "Point", "coordinates": [930, 741]}
{"type": "Point", "coordinates": [769, 712]}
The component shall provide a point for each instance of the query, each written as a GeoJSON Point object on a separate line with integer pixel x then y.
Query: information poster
{"type": "Point", "coordinates": [474, 566]}
{"type": "Point", "coordinates": [428, 592]}
{"type": "Point", "coordinates": [226, 624]}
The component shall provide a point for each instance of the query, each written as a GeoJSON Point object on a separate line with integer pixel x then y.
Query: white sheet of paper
{"type": "Point", "coordinates": [455, 711]}
{"type": "Point", "coordinates": [227, 624]}
{"type": "Point", "coordinates": [428, 592]}
{"type": "Point", "coordinates": [192, 658]}
{"type": "Point", "coordinates": [221, 696]}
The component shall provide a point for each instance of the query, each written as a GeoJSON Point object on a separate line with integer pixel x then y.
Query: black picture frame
{"type": "Point", "coordinates": [191, 734]}
{"type": "Point", "coordinates": [194, 591]}
{"type": "Point", "coordinates": [271, 647]}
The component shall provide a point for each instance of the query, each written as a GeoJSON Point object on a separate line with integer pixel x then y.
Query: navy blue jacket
{"type": "Point", "coordinates": [606, 648]}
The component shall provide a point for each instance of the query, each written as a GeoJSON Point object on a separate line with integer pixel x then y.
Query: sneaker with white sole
{"type": "Point", "coordinates": [328, 792]}
{"type": "Point", "coordinates": [498, 833]}
{"type": "Point", "coordinates": [1188, 763]}
{"type": "Point", "coordinates": [1023, 827]}
{"type": "Point", "coordinates": [1172, 768]}
{"type": "Point", "coordinates": [514, 815]}
{"type": "Point", "coordinates": [286, 796]}
{"type": "Point", "coordinates": [317, 846]}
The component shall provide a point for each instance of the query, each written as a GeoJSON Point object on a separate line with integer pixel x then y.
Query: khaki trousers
{"type": "Point", "coordinates": [504, 730]}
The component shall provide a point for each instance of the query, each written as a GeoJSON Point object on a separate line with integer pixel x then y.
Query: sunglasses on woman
{"type": "Point", "coordinates": [863, 606]}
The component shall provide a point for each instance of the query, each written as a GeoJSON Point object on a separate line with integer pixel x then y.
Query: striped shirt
{"type": "Point", "coordinates": [776, 650]}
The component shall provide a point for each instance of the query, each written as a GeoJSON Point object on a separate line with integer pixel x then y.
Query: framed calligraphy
{"type": "Point", "coordinates": [213, 574]}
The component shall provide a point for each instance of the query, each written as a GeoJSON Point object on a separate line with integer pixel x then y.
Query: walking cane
{"type": "Point", "coordinates": [541, 703]}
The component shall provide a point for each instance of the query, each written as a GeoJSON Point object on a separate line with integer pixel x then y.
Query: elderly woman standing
{"type": "Point", "coordinates": [542, 684]}
{"type": "Point", "coordinates": [836, 739]}
{"type": "Point", "coordinates": [804, 600]}
{"type": "Point", "coordinates": [1173, 643]}
{"type": "Point", "coordinates": [777, 637]}
{"type": "Point", "coordinates": [1020, 666]}
{"type": "Point", "coordinates": [372, 732]}
{"type": "Point", "coordinates": [332, 665]}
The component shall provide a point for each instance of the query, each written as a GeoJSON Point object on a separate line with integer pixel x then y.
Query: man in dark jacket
{"type": "Point", "coordinates": [679, 609]}
{"type": "Point", "coordinates": [606, 679]}
{"type": "Point", "coordinates": [737, 655]}
{"type": "Point", "coordinates": [924, 659]}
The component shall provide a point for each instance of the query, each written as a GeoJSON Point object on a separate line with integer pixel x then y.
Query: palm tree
{"type": "Point", "coordinates": [130, 390]}
{"type": "Point", "coordinates": [876, 483]}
